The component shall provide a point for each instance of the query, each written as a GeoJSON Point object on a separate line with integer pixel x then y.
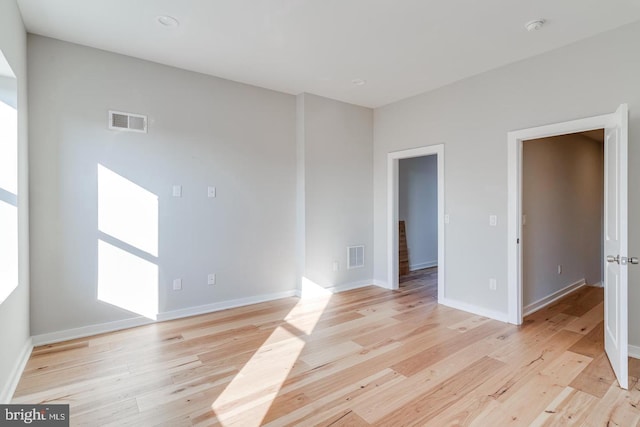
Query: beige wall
{"type": "Point", "coordinates": [562, 199]}
{"type": "Point", "coordinates": [336, 141]}
{"type": "Point", "coordinates": [203, 131]}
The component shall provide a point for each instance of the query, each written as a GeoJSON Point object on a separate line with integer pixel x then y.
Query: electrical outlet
{"type": "Point", "coordinates": [559, 269]}
{"type": "Point", "coordinates": [446, 218]}
{"type": "Point", "coordinates": [177, 284]}
{"type": "Point", "coordinates": [211, 279]}
{"type": "Point", "coordinates": [177, 191]}
{"type": "Point", "coordinates": [493, 220]}
{"type": "Point", "coordinates": [493, 284]}
{"type": "Point", "coordinates": [211, 192]}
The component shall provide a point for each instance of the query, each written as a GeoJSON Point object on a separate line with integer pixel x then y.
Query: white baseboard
{"type": "Point", "coordinates": [10, 387]}
{"type": "Point", "coordinates": [380, 283]}
{"type": "Point", "coordinates": [421, 265]}
{"type": "Point", "coordinates": [634, 351]}
{"type": "Point", "coordinates": [86, 331]}
{"type": "Point", "coordinates": [549, 299]}
{"type": "Point", "coordinates": [480, 311]}
{"type": "Point", "coordinates": [598, 285]}
{"type": "Point", "coordinates": [223, 305]}
{"type": "Point", "coordinates": [349, 286]}
{"type": "Point", "coordinates": [337, 289]}
{"type": "Point", "coordinates": [89, 330]}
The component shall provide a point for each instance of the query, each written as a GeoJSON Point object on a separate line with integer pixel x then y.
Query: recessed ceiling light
{"type": "Point", "coordinates": [167, 21]}
{"type": "Point", "coordinates": [534, 25]}
{"type": "Point", "coordinates": [358, 82]}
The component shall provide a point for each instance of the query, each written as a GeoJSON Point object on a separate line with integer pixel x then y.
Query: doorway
{"type": "Point", "coordinates": [393, 193]}
{"type": "Point", "coordinates": [418, 221]}
{"type": "Point", "coordinates": [562, 216]}
{"type": "Point", "coordinates": [615, 229]}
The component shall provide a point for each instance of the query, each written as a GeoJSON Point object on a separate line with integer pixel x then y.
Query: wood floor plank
{"type": "Point", "coordinates": [364, 357]}
{"type": "Point", "coordinates": [597, 378]}
{"type": "Point", "coordinates": [430, 404]}
{"type": "Point", "coordinates": [569, 408]}
{"type": "Point", "coordinates": [593, 343]}
{"type": "Point", "coordinates": [523, 406]}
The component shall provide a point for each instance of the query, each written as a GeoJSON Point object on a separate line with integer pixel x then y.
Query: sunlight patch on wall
{"type": "Point", "coordinates": [127, 244]}
{"type": "Point", "coordinates": [127, 211]}
{"type": "Point", "coordinates": [127, 281]}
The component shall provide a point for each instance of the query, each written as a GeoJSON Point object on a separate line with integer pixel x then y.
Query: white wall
{"type": "Point", "coordinates": [202, 131]}
{"type": "Point", "coordinates": [418, 207]}
{"type": "Point", "coordinates": [472, 118]}
{"type": "Point", "coordinates": [14, 311]}
{"type": "Point", "coordinates": [335, 142]}
{"type": "Point", "coordinates": [562, 198]}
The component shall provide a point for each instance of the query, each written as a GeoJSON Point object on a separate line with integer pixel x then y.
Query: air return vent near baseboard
{"type": "Point", "coordinates": [127, 121]}
{"type": "Point", "coordinates": [355, 256]}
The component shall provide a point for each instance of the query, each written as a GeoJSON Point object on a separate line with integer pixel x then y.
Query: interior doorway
{"type": "Point", "coordinates": [393, 213]}
{"type": "Point", "coordinates": [418, 220]}
{"type": "Point", "coordinates": [615, 228]}
{"type": "Point", "coordinates": [562, 216]}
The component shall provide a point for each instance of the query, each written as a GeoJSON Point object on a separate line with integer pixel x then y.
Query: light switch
{"type": "Point", "coordinates": [177, 284]}
{"type": "Point", "coordinates": [493, 220]}
{"type": "Point", "coordinates": [446, 218]}
{"type": "Point", "coordinates": [211, 192]}
{"type": "Point", "coordinates": [211, 279]}
{"type": "Point", "coordinates": [177, 191]}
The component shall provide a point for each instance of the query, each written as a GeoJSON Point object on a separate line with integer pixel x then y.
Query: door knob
{"type": "Point", "coordinates": [622, 260]}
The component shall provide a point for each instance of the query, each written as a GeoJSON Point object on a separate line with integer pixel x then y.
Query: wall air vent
{"type": "Point", "coordinates": [127, 121]}
{"type": "Point", "coordinates": [355, 257]}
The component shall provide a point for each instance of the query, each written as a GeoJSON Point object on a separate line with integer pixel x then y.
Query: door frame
{"type": "Point", "coordinates": [393, 162]}
{"type": "Point", "coordinates": [514, 210]}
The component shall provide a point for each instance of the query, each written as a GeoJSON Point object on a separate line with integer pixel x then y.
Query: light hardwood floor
{"type": "Point", "coordinates": [363, 357]}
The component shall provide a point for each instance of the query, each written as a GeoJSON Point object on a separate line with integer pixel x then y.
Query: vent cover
{"type": "Point", "coordinates": [355, 257]}
{"type": "Point", "coordinates": [127, 121]}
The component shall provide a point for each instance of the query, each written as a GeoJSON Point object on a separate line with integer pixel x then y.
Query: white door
{"type": "Point", "coordinates": [615, 244]}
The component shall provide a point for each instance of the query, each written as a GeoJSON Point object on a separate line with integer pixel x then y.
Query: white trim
{"type": "Point", "coordinates": [90, 330]}
{"type": "Point", "coordinates": [549, 299]}
{"type": "Point", "coordinates": [223, 305]}
{"type": "Point", "coordinates": [393, 159]}
{"type": "Point", "coordinates": [634, 351]}
{"type": "Point", "coordinates": [474, 309]}
{"type": "Point", "coordinates": [380, 283]}
{"type": "Point", "coordinates": [421, 265]}
{"type": "Point", "coordinates": [10, 387]}
{"type": "Point", "coordinates": [514, 197]}
{"type": "Point", "coordinates": [598, 285]}
{"type": "Point", "coordinates": [344, 287]}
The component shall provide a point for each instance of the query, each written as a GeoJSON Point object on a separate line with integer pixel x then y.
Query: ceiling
{"type": "Point", "coordinates": [399, 47]}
